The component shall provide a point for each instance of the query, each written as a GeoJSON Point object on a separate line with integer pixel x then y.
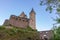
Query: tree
{"type": "Point", "coordinates": [56, 33]}
{"type": "Point", "coordinates": [53, 5]}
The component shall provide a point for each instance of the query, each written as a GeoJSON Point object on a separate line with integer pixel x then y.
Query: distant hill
{"type": "Point", "coordinates": [15, 33]}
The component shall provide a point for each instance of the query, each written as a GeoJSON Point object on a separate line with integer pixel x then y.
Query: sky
{"type": "Point", "coordinates": [44, 19]}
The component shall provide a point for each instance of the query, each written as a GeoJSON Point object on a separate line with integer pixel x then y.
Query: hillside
{"type": "Point", "coordinates": [18, 33]}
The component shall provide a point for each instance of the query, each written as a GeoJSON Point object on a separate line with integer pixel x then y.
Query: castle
{"type": "Point", "coordinates": [22, 20]}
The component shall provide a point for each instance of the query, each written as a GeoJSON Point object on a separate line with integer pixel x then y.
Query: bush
{"type": "Point", "coordinates": [18, 34]}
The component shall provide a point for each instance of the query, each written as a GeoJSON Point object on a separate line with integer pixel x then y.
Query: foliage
{"type": "Point", "coordinates": [17, 34]}
{"type": "Point", "coordinates": [51, 5]}
{"type": "Point", "coordinates": [56, 33]}
{"type": "Point", "coordinates": [57, 20]}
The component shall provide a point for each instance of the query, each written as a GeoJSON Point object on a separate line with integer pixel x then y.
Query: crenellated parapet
{"type": "Point", "coordinates": [22, 21]}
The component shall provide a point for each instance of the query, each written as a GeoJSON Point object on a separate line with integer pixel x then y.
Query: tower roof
{"type": "Point", "coordinates": [32, 11]}
{"type": "Point", "coordinates": [22, 15]}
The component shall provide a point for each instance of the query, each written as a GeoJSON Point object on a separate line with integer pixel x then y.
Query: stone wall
{"type": "Point", "coordinates": [6, 23]}
{"type": "Point", "coordinates": [22, 20]}
{"type": "Point", "coordinates": [19, 22]}
{"type": "Point", "coordinates": [46, 34]}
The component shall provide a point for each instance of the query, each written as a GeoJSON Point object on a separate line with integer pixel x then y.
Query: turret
{"type": "Point", "coordinates": [32, 21]}
{"type": "Point", "coordinates": [23, 15]}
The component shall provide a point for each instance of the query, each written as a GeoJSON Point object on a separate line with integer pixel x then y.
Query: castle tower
{"type": "Point", "coordinates": [23, 15]}
{"type": "Point", "coordinates": [32, 21]}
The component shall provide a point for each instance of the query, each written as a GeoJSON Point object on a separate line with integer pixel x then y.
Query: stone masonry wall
{"type": "Point", "coordinates": [19, 22]}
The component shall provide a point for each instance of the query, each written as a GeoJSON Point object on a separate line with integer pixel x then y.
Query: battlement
{"type": "Point", "coordinates": [13, 17]}
{"type": "Point", "coordinates": [22, 21]}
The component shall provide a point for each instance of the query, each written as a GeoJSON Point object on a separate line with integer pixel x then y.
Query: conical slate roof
{"type": "Point", "coordinates": [32, 11]}
{"type": "Point", "coordinates": [23, 15]}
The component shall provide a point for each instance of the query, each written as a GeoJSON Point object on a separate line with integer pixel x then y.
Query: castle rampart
{"type": "Point", "coordinates": [22, 21]}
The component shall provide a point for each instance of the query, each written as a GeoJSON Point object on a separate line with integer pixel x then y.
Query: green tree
{"type": "Point", "coordinates": [53, 5]}
{"type": "Point", "coordinates": [56, 33]}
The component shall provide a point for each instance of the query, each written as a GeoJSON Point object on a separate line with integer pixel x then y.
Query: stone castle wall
{"type": "Point", "coordinates": [22, 20]}
{"type": "Point", "coordinates": [19, 22]}
{"type": "Point", "coordinates": [46, 34]}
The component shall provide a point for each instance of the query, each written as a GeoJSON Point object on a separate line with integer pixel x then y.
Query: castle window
{"type": "Point", "coordinates": [29, 38]}
{"type": "Point", "coordinates": [23, 20]}
{"type": "Point", "coordinates": [26, 20]}
{"type": "Point", "coordinates": [19, 19]}
{"type": "Point", "coordinates": [31, 20]}
{"type": "Point", "coordinates": [46, 32]}
{"type": "Point", "coordinates": [44, 35]}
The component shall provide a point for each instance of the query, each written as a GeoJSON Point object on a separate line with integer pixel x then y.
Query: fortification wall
{"type": "Point", "coordinates": [19, 22]}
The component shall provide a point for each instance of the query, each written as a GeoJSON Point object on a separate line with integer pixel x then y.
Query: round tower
{"type": "Point", "coordinates": [32, 21]}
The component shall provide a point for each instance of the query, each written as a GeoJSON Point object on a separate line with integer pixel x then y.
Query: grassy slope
{"type": "Point", "coordinates": [18, 34]}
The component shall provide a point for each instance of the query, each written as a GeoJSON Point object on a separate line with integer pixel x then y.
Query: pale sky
{"type": "Point", "coordinates": [44, 19]}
